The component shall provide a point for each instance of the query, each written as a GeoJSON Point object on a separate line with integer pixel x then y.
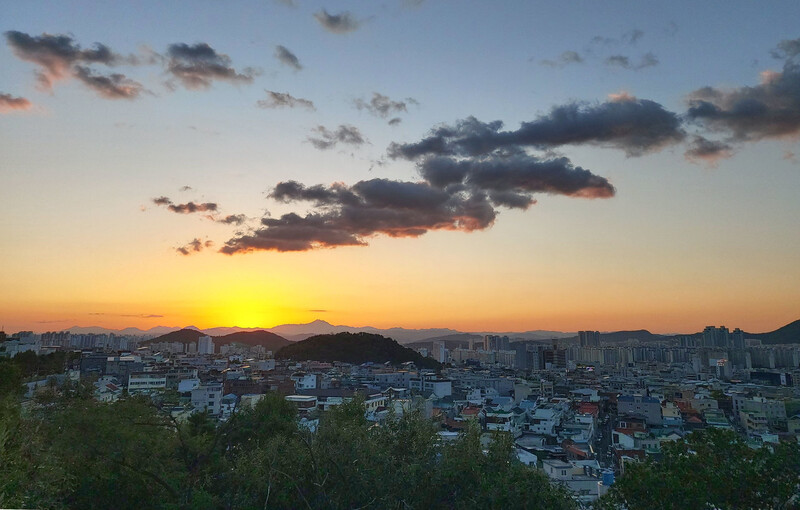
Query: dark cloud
{"type": "Point", "coordinates": [232, 219]}
{"type": "Point", "coordinates": [395, 121]}
{"type": "Point", "coordinates": [341, 23]}
{"type": "Point", "coordinates": [288, 58]}
{"type": "Point", "coordinates": [636, 126]}
{"type": "Point", "coordinates": [284, 100]}
{"type": "Point", "coordinates": [197, 66]}
{"type": "Point", "coordinates": [60, 57]}
{"type": "Point", "coordinates": [56, 55]}
{"type": "Point", "coordinates": [318, 311]}
{"type": "Point", "coordinates": [192, 207]}
{"type": "Point", "coordinates": [707, 151]}
{"type": "Point", "coordinates": [514, 177]}
{"type": "Point", "coordinates": [770, 109]}
{"type": "Point", "coordinates": [187, 208]}
{"type": "Point", "coordinates": [392, 208]}
{"type": "Point", "coordinates": [9, 103]}
{"type": "Point", "coordinates": [454, 195]}
{"type": "Point", "coordinates": [193, 246]}
{"type": "Point", "coordinates": [324, 138]}
{"type": "Point", "coordinates": [113, 86]}
{"type": "Point", "coordinates": [566, 58]}
{"type": "Point", "coordinates": [382, 106]}
{"type": "Point", "coordinates": [787, 49]}
{"type": "Point", "coordinates": [186, 188]}
{"type": "Point", "coordinates": [647, 60]}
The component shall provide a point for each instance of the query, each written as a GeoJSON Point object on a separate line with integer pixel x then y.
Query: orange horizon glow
{"type": "Point", "coordinates": [254, 317]}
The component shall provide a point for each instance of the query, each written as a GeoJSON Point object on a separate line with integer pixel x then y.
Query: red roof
{"type": "Point", "coordinates": [589, 408]}
{"type": "Point", "coordinates": [576, 451]}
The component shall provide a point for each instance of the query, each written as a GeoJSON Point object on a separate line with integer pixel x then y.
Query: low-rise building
{"type": "Point", "coordinates": [146, 382]}
{"type": "Point", "coordinates": [208, 398]}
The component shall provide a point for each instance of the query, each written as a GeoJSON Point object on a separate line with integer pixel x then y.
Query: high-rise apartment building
{"type": "Point", "coordinates": [205, 345]}
{"type": "Point", "coordinates": [589, 338]}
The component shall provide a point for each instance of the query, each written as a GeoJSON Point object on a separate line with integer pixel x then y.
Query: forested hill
{"type": "Point", "coordinates": [354, 348]}
{"type": "Point", "coordinates": [788, 334]}
{"type": "Point", "coordinates": [184, 336]}
{"type": "Point", "coordinates": [266, 339]}
{"type": "Point", "coordinates": [270, 341]}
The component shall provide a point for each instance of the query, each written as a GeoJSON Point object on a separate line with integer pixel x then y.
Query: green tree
{"type": "Point", "coordinates": [70, 451]}
{"type": "Point", "coordinates": [118, 455]}
{"type": "Point", "coordinates": [710, 469]}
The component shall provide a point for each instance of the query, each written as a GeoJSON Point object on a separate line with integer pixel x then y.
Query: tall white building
{"type": "Point", "coordinates": [205, 345]}
{"type": "Point", "coordinates": [439, 352]}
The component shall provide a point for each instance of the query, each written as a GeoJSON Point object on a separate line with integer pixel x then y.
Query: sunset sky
{"type": "Point", "coordinates": [483, 166]}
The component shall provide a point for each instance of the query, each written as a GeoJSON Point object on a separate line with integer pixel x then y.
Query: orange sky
{"type": "Point", "coordinates": [694, 220]}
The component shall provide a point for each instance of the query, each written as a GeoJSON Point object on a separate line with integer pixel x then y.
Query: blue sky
{"type": "Point", "coordinates": [680, 243]}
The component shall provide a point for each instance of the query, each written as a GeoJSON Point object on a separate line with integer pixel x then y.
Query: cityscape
{"type": "Point", "coordinates": [582, 408]}
{"type": "Point", "coordinates": [406, 254]}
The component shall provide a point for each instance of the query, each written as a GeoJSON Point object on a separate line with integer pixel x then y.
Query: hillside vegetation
{"type": "Point", "coordinates": [354, 348]}
{"type": "Point", "coordinates": [270, 341]}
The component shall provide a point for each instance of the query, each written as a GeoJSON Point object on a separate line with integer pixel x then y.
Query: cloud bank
{"type": "Point", "coordinates": [458, 195]}
{"type": "Point", "coordinates": [636, 126]}
{"type": "Point", "coordinates": [770, 109]}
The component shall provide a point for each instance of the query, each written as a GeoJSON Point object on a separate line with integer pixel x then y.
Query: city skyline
{"type": "Point", "coordinates": [409, 164]}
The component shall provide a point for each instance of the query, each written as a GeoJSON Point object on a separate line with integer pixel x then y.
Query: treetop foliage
{"type": "Point", "coordinates": [73, 452]}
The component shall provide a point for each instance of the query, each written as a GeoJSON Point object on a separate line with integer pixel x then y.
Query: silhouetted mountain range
{"type": "Point", "coordinates": [319, 327]}
{"type": "Point", "coordinates": [354, 348]}
{"type": "Point", "coordinates": [788, 334]}
{"type": "Point", "coordinates": [421, 337]}
{"type": "Point", "coordinates": [184, 336]}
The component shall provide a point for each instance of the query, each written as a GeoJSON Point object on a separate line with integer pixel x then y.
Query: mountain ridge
{"type": "Point", "coordinates": [789, 333]}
